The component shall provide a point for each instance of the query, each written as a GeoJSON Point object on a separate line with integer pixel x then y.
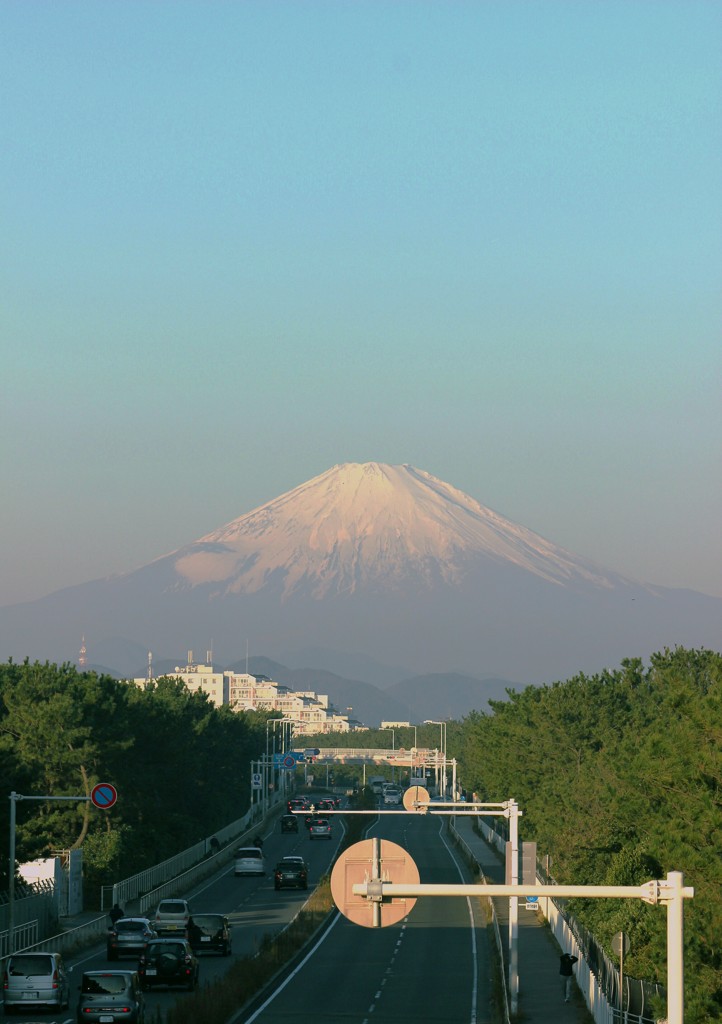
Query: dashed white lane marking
{"type": "Point", "coordinates": [474, 954]}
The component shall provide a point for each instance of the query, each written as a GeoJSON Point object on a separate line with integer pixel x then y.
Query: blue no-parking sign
{"type": "Point", "coordinates": [104, 795]}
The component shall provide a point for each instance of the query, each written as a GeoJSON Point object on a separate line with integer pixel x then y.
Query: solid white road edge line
{"type": "Point", "coordinates": [291, 976]}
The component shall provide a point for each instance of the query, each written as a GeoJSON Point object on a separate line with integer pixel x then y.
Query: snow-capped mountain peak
{"type": "Point", "coordinates": [362, 524]}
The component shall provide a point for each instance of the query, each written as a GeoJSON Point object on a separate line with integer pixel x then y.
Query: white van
{"type": "Point", "coordinates": [248, 860]}
{"type": "Point", "coordinates": [376, 782]}
{"type": "Point", "coordinates": [392, 795]}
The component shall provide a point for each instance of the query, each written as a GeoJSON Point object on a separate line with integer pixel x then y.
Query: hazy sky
{"type": "Point", "coordinates": [243, 242]}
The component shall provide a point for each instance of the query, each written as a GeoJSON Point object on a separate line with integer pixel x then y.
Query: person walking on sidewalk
{"type": "Point", "coordinates": [566, 963]}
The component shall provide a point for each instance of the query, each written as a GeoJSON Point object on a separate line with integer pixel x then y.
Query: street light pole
{"type": "Point", "coordinates": [441, 783]}
{"type": "Point", "coordinates": [388, 728]}
{"type": "Point", "coordinates": [268, 767]}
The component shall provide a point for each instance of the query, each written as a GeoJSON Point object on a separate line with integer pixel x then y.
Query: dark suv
{"type": "Point", "coordinates": [289, 823]}
{"type": "Point", "coordinates": [168, 962]}
{"type": "Point", "coordinates": [210, 933]}
{"type": "Point", "coordinates": [291, 872]}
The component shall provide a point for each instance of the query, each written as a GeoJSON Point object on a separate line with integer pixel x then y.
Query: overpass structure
{"type": "Point", "coordinates": [414, 757]}
{"type": "Point", "coordinates": [419, 760]}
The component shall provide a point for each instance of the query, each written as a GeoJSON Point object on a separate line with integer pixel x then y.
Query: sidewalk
{"type": "Point", "coordinates": [540, 986]}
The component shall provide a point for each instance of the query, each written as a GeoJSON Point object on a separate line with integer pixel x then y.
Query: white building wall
{"type": "Point", "coordinates": [243, 692]}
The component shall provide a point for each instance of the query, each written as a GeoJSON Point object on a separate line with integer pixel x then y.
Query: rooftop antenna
{"type": "Point", "coordinates": [246, 655]}
{"type": "Point", "coordinates": [209, 655]}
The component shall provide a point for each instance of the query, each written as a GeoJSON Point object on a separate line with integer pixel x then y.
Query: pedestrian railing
{"type": "Point", "coordinates": [65, 942]}
{"type": "Point", "coordinates": [596, 975]}
{"type": "Point", "coordinates": [153, 878]}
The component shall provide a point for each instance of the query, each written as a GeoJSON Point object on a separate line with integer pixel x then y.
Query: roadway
{"type": "Point", "coordinates": [433, 966]}
{"type": "Point", "coordinates": [251, 904]}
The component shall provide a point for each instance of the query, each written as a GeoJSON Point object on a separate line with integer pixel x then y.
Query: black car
{"type": "Point", "coordinates": [168, 962]}
{"type": "Point", "coordinates": [210, 933]}
{"type": "Point", "coordinates": [289, 823]}
{"type": "Point", "coordinates": [291, 873]}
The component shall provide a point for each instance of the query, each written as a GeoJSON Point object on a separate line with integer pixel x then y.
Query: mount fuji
{"type": "Point", "coordinates": [373, 561]}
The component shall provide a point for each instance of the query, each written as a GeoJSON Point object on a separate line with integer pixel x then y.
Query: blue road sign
{"type": "Point", "coordinates": [104, 795]}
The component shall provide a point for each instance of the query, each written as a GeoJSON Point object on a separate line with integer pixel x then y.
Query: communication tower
{"type": "Point", "coordinates": [82, 656]}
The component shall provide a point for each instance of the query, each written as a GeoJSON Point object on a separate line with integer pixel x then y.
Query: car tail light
{"type": "Point", "coordinates": [55, 978]}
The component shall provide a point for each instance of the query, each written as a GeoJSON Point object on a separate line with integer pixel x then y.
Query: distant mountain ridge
{"type": "Point", "coordinates": [432, 696]}
{"type": "Point", "coordinates": [374, 565]}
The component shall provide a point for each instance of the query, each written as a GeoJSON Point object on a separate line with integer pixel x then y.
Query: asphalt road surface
{"type": "Point", "coordinates": [433, 966]}
{"type": "Point", "coordinates": [251, 904]}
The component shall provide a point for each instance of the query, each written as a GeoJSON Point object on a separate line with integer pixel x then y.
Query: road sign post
{"type": "Point", "coordinates": [620, 945]}
{"type": "Point", "coordinates": [103, 795]}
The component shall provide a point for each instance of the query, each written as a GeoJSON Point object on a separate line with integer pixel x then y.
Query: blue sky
{"type": "Point", "coordinates": [244, 242]}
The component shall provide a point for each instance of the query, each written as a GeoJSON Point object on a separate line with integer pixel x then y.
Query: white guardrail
{"type": "Point", "coordinates": [171, 875]}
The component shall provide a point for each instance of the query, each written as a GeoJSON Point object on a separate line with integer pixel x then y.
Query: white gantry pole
{"type": "Point", "coordinates": [670, 892]}
{"type": "Point", "coordinates": [675, 944]}
{"type": "Point", "coordinates": [513, 814]}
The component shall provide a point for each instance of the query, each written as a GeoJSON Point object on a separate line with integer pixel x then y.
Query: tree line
{"type": "Point", "coordinates": [619, 777]}
{"type": "Point", "coordinates": [181, 767]}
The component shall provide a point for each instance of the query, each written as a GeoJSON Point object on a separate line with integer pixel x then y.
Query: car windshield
{"type": "Point", "coordinates": [130, 926]}
{"type": "Point", "coordinates": [36, 965]}
{"type": "Point", "coordinates": [175, 948]}
{"type": "Point", "coordinates": [105, 984]}
{"type": "Point", "coordinates": [172, 908]}
{"type": "Point", "coordinates": [251, 853]}
{"type": "Point", "coordinates": [208, 922]}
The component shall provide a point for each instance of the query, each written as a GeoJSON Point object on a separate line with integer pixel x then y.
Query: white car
{"type": "Point", "coordinates": [171, 917]}
{"type": "Point", "coordinates": [392, 795]}
{"type": "Point", "coordinates": [249, 860]}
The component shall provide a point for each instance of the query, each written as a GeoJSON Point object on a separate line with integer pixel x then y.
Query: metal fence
{"type": "Point", "coordinates": [167, 878]}
{"type": "Point", "coordinates": [596, 974]}
{"type": "Point", "coordinates": [67, 941]}
{"type": "Point", "coordinates": [35, 912]}
{"type": "Point", "coordinates": [154, 877]}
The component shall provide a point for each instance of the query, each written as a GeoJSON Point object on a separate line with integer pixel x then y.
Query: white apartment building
{"type": "Point", "coordinates": [197, 677]}
{"type": "Point", "coordinates": [245, 692]}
